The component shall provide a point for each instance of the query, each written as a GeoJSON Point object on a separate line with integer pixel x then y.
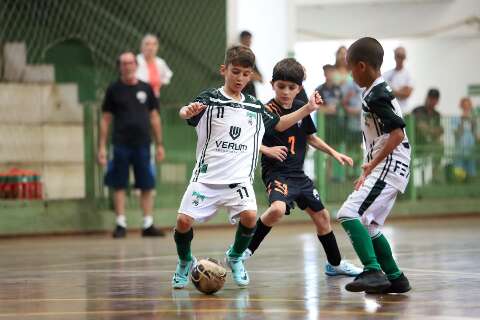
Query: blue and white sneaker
{"type": "Point", "coordinates": [181, 276]}
{"type": "Point", "coordinates": [239, 273]}
{"type": "Point", "coordinates": [343, 269]}
{"type": "Point", "coordinates": [247, 254]}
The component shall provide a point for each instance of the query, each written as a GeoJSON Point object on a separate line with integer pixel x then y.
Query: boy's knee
{"type": "Point", "coordinates": [248, 218]}
{"type": "Point", "coordinates": [275, 212]}
{"type": "Point", "coordinates": [184, 223]}
{"type": "Point", "coordinates": [322, 218]}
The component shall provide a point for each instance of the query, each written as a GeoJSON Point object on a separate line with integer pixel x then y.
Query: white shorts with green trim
{"type": "Point", "coordinates": [372, 203]}
{"type": "Point", "coordinates": [202, 201]}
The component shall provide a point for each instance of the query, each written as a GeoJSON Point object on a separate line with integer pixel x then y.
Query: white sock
{"type": "Point", "coordinates": [147, 222]}
{"type": "Point", "coordinates": [121, 221]}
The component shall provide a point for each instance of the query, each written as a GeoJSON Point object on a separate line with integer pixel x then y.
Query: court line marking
{"type": "Point", "coordinates": [180, 310]}
{"type": "Point", "coordinates": [443, 272]}
{"type": "Point", "coordinates": [220, 299]}
{"type": "Point", "coordinates": [220, 253]}
{"type": "Point", "coordinates": [259, 271]}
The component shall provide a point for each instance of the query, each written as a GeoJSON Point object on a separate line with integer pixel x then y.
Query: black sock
{"type": "Point", "coordinates": [330, 246]}
{"type": "Point", "coordinates": [260, 233]}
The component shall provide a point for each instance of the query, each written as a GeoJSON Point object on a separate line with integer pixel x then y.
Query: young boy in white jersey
{"type": "Point", "coordinates": [385, 173]}
{"type": "Point", "coordinates": [283, 156]}
{"type": "Point", "coordinates": [230, 127]}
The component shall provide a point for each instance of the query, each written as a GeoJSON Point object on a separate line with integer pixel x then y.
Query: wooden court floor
{"type": "Point", "coordinates": [97, 277]}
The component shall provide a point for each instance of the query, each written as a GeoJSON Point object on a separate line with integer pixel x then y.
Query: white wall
{"type": "Point", "coordinates": [267, 21]}
{"type": "Point", "coordinates": [448, 64]}
{"type": "Point", "coordinates": [344, 19]}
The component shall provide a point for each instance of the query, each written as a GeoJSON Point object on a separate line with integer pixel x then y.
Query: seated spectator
{"type": "Point", "coordinates": [152, 69]}
{"type": "Point", "coordinates": [467, 136]}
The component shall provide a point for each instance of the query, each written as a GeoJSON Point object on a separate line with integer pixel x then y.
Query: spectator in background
{"type": "Point", "coordinates": [132, 107]}
{"type": "Point", "coordinates": [352, 105]}
{"type": "Point", "coordinates": [399, 79]}
{"type": "Point", "coordinates": [429, 131]}
{"type": "Point", "coordinates": [341, 75]}
{"type": "Point", "coordinates": [467, 136]}
{"type": "Point", "coordinates": [351, 96]}
{"type": "Point", "coordinates": [302, 95]}
{"type": "Point", "coordinates": [331, 93]}
{"type": "Point", "coordinates": [246, 40]}
{"type": "Point", "coordinates": [152, 69]}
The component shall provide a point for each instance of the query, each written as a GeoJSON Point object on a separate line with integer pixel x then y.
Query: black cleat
{"type": "Point", "coordinates": [119, 232]}
{"type": "Point", "coordinates": [399, 285]}
{"type": "Point", "coordinates": [152, 232]}
{"type": "Point", "coordinates": [371, 281]}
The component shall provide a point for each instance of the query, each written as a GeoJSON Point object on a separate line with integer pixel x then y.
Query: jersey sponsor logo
{"type": "Point", "coordinates": [401, 169]}
{"type": "Point", "coordinates": [225, 146]}
{"type": "Point", "coordinates": [197, 198]}
{"type": "Point", "coordinates": [251, 116]}
{"type": "Point", "coordinates": [203, 168]}
{"type": "Point", "coordinates": [142, 97]}
{"type": "Point", "coordinates": [235, 132]}
{"type": "Point", "coordinates": [316, 195]}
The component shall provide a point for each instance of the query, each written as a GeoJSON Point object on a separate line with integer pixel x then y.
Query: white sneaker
{"type": "Point", "coordinates": [344, 268]}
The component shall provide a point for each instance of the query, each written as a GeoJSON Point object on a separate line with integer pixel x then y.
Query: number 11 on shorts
{"type": "Point", "coordinates": [244, 191]}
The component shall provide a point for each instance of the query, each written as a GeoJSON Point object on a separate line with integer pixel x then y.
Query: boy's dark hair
{"type": "Point", "coordinates": [245, 34]}
{"type": "Point", "coordinates": [240, 56]}
{"type": "Point", "coordinates": [433, 93]}
{"type": "Point", "coordinates": [288, 69]}
{"type": "Point", "coordinates": [328, 67]}
{"type": "Point", "coordinates": [368, 50]}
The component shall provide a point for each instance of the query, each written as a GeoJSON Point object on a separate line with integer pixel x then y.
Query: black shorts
{"type": "Point", "coordinates": [289, 190]}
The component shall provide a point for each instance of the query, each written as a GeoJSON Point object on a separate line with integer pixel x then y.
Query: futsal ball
{"type": "Point", "coordinates": [208, 275]}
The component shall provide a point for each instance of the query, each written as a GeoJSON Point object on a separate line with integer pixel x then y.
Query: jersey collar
{"type": "Point", "coordinates": [376, 82]}
{"type": "Point", "coordinates": [222, 91]}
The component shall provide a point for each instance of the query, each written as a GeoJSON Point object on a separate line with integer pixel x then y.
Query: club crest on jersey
{"type": "Point", "coordinates": [251, 116]}
{"type": "Point", "coordinates": [142, 97]}
{"type": "Point", "coordinates": [235, 132]}
{"type": "Point", "coordinates": [198, 197]}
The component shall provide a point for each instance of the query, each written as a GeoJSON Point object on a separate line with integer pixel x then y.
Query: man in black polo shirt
{"type": "Point", "coordinates": [132, 106]}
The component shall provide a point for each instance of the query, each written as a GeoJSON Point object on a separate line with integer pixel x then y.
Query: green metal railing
{"type": "Point", "coordinates": [436, 172]}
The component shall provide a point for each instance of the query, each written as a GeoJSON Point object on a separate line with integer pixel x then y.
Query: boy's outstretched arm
{"type": "Point", "coordinates": [290, 119]}
{"type": "Point", "coordinates": [395, 138]}
{"type": "Point", "coordinates": [321, 145]}
{"type": "Point", "coordinates": [191, 110]}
